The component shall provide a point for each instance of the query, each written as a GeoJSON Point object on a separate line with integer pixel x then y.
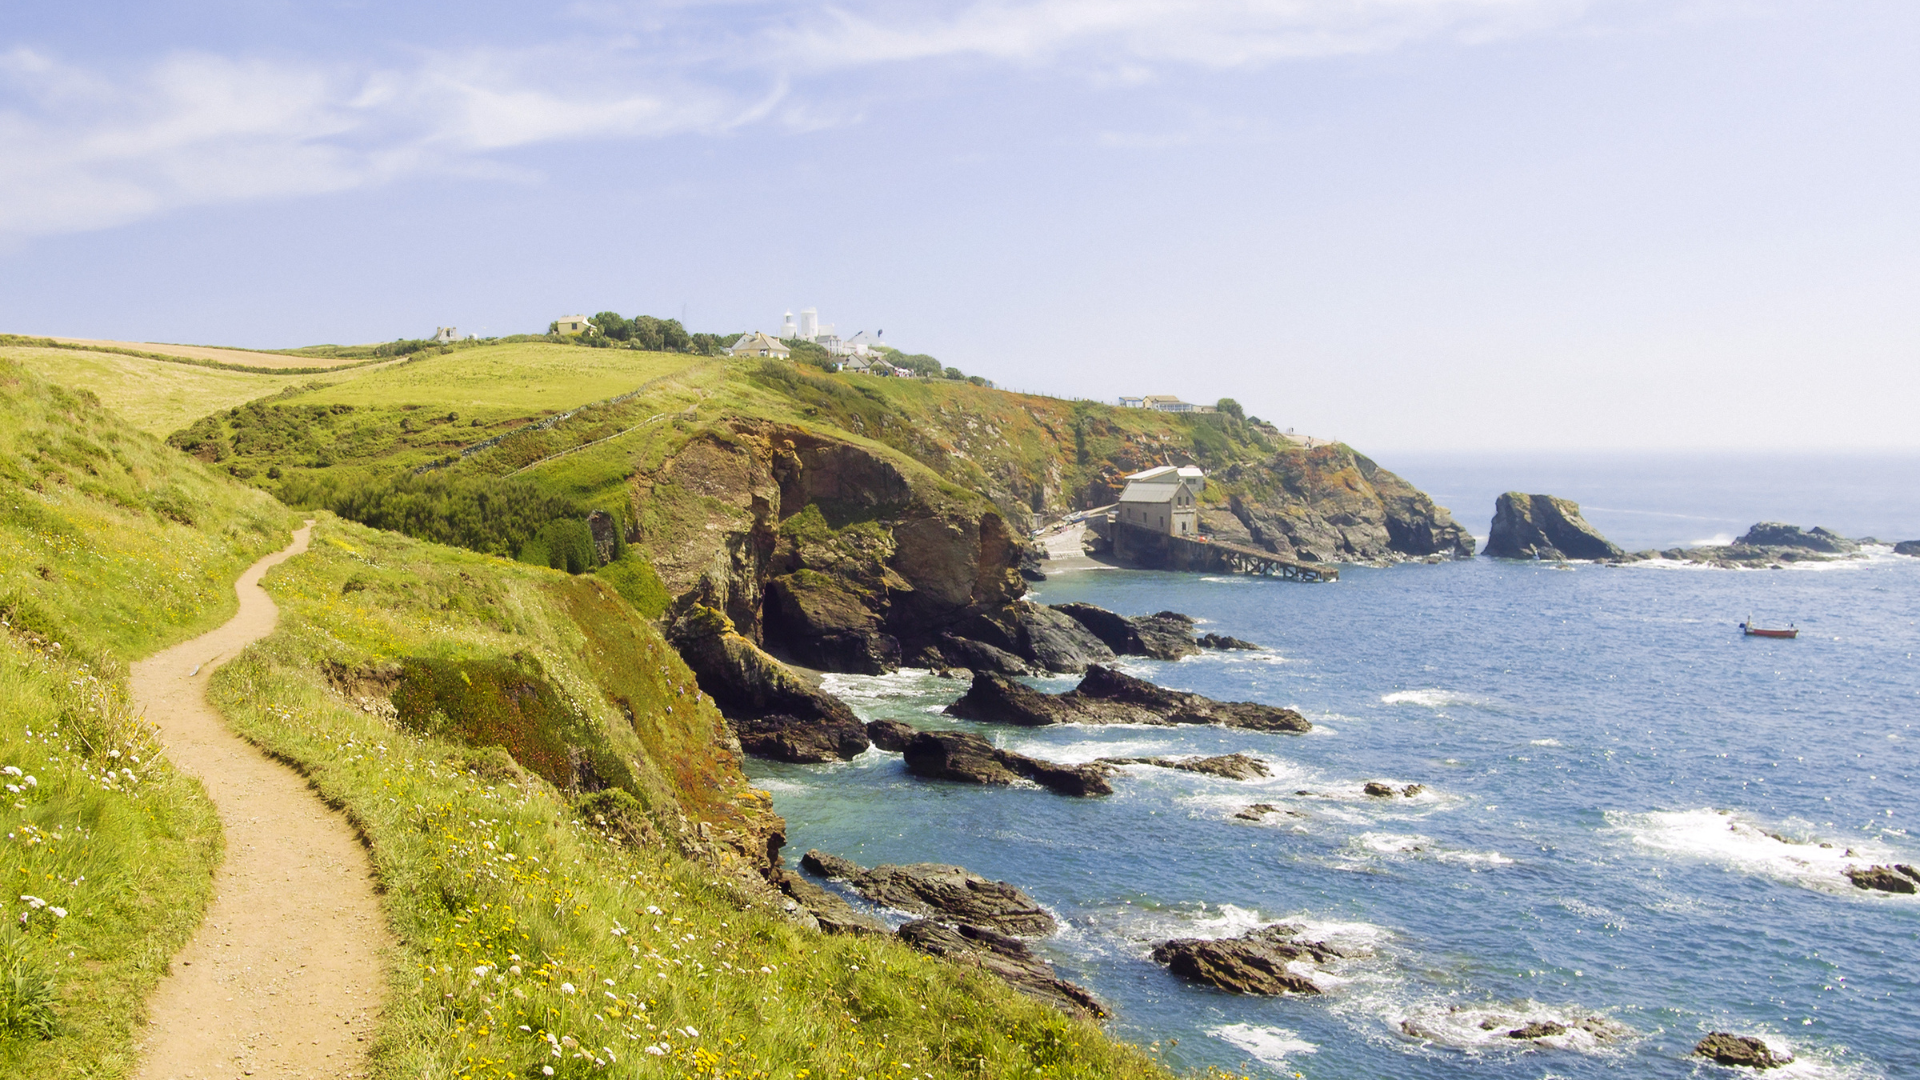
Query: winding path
{"type": "Point", "coordinates": [286, 975]}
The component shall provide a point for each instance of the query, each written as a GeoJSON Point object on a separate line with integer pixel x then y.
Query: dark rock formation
{"type": "Point", "coordinates": [938, 890]}
{"type": "Point", "coordinates": [1907, 547]}
{"type": "Point", "coordinates": [1538, 1029]}
{"type": "Point", "coordinates": [1541, 526]}
{"type": "Point", "coordinates": [1033, 563]}
{"type": "Point", "coordinates": [1040, 635]}
{"type": "Point", "coordinates": [1329, 504]}
{"type": "Point", "coordinates": [890, 735]}
{"type": "Point", "coordinates": [1378, 790]}
{"type": "Point", "coordinates": [825, 622]}
{"type": "Point", "coordinates": [1898, 878]}
{"type": "Point", "coordinates": [1167, 635]}
{"type": "Point", "coordinates": [1413, 789]}
{"type": "Point", "coordinates": [956, 755]}
{"type": "Point", "coordinates": [1222, 641]}
{"type": "Point", "coordinates": [1728, 1049]}
{"type": "Point", "coordinates": [1225, 766]}
{"type": "Point", "coordinates": [1004, 957]}
{"type": "Point", "coordinates": [980, 656]}
{"type": "Point", "coordinates": [1253, 963]}
{"type": "Point", "coordinates": [1256, 811]}
{"type": "Point", "coordinates": [1107, 696]}
{"type": "Point", "coordinates": [774, 714]}
{"type": "Point", "coordinates": [833, 914]}
{"type": "Point", "coordinates": [1777, 534]}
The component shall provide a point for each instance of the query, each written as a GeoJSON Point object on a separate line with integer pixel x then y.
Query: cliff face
{"type": "Point", "coordinates": [1329, 504]}
{"type": "Point", "coordinates": [1541, 526]}
{"type": "Point", "coordinates": [821, 549]}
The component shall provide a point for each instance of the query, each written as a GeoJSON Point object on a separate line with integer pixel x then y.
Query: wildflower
{"type": "Point", "coordinates": [58, 911]}
{"type": "Point", "coordinates": [482, 970]}
{"type": "Point", "coordinates": [569, 1042]}
{"type": "Point", "coordinates": [33, 902]}
{"type": "Point", "coordinates": [691, 1033]}
{"type": "Point", "coordinates": [656, 1050]}
{"type": "Point", "coordinates": [13, 770]}
{"type": "Point", "coordinates": [546, 1070]}
{"type": "Point", "coordinates": [567, 988]}
{"type": "Point", "coordinates": [31, 782]}
{"type": "Point", "coordinates": [651, 910]}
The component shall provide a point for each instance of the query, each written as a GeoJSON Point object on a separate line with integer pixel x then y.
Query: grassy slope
{"type": "Point", "coordinates": [111, 546]}
{"type": "Point", "coordinates": [152, 395]}
{"type": "Point", "coordinates": [531, 936]}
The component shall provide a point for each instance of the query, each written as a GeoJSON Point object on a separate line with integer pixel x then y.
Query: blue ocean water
{"type": "Point", "coordinates": [1624, 815]}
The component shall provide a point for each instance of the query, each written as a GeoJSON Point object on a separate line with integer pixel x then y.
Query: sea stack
{"type": "Point", "coordinates": [1541, 526]}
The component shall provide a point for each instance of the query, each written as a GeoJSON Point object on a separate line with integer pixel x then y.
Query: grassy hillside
{"type": "Point", "coordinates": [154, 396]}
{"type": "Point", "coordinates": [112, 545]}
{"type": "Point", "coordinates": [547, 926]}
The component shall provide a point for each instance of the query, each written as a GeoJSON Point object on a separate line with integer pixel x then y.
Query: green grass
{"type": "Point", "coordinates": [111, 546]}
{"type": "Point", "coordinates": [528, 923]}
{"type": "Point", "coordinates": [527, 379]}
{"type": "Point", "coordinates": [155, 396]}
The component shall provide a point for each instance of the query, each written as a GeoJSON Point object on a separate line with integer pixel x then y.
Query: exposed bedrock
{"type": "Point", "coordinates": [1740, 1050]}
{"type": "Point", "coordinates": [1044, 637]}
{"type": "Point", "coordinates": [1907, 547]}
{"type": "Point", "coordinates": [1167, 635]}
{"type": "Point", "coordinates": [1777, 534]}
{"type": "Point", "coordinates": [1541, 526]}
{"type": "Point", "coordinates": [1007, 958]}
{"type": "Point", "coordinates": [1106, 696]}
{"type": "Point", "coordinates": [1898, 878]}
{"type": "Point", "coordinates": [1330, 504]}
{"type": "Point", "coordinates": [1223, 641]}
{"type": "Point", "coordinates": [940, 891]}
{"type": "Point", "coordinates": [891, 735]}
{"type": "Point", "coordinates": [830, 912]}
{"type": "Point", "coordinates": [1224, 766]}
{"type": "Point", "coordinates": [980, 656]}
{"type": "Point", "coordinates": [970, 759]}
{"type": "Point", "coordinates": [1253, 963]}
{"type": "Point", "coordinates": [773, 713]}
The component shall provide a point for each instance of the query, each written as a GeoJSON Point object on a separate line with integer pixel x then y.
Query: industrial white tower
{"type": "Point", "coordinates": [787, 329]}
{"type": "Point", "coordinates": [809, 323]}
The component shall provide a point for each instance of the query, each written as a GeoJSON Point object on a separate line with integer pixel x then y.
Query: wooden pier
{"type": "Point", "coordinates": [1146, 549]}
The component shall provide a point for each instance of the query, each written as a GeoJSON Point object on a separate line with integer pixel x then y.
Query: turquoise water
{"type": "Point", "coordinates": [1623, 810]}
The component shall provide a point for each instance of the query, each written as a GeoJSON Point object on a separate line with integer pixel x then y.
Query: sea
{"type": "Point", "coordinates": [1628, 811]}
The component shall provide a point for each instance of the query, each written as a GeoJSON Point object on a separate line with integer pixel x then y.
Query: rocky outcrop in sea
{"type": "Point", "coordinates": [1004, 957]}
{"type": "Point", "coordinates": [937, 890]}
{"type": "Point", "coordinates": [1740, 1051]}
{"type": "Point", "coordinates": [773, 713]}
{"type": "Point", "coordinates": [1260, 961]}
{"type": "Point", "coordinates": [1768, 544]}
{"type": "Point", "coordinates": [1107, 696]}
{"type": "Point", "coordinates": [1898, 878]}
{"type": "Point", "coordinates": [967, 758]}
{"type": "Point", "coordinates": [1544, 527]}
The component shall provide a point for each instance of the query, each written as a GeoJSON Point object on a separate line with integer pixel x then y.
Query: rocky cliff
{"type": "Point", "coordinates": [1329, 504]}
{"type": "Point", "coordinates": [1543, 527]}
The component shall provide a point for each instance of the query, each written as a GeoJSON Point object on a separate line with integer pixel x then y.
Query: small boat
{"type": "Point", "coordinates": [1751, 630]}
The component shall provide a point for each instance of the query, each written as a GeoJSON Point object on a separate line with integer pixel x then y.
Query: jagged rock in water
{"type": "Point", "coordinates": [1329, 504]}
{"type": "Point", "coordinates": [1040, 635]}
{"type": "Point", "coordinates": [890, 735]}
{"type": "Point", "coordinates": [1413, 789]}
{"type": "Point", "coordinates": [1541, 526]}
{"type": "Point", "coordinates": [1539, 1029]}
{"type": "Point", "coordinates": [1730, 1049]}
{"type": "Point", "coordinates": [1378, 790]}
{"type": "Point", "coordinates": [1225, 766]}
{"type": "Point", "coordinates": [831, 913]}
{"type": "Point", "coordinates": [1106, 696]}
{"type": "Point", "coordinates": [939, 890]}
{"type": "Point", "coordinates": [1898, 878]}
{"type": "Point", "coordinates": [1006, 958]}
{"type": "Point", "coordinates": [1907, 547]}
{"type": "Point", "coordinates": [1781, 535]}
{"type": "Point", "coordinates": [1222, 641]}
{"type": "Point", "coordinates": [1253, 963]}
{"type": "Point", "coordinates": [968, 758]}
{"type": "Point", "coordinates": [1033, 563]}
{"type": "Point", "coordinates": [773, 713]}
{"type": "Point", "coordinates": [1256, 811]}
{"type": "Point", "coordinates": [1166, 635]}
{"type": "Point", "coordinates": [980, 656]}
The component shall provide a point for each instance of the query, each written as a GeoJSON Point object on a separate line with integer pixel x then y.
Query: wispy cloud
{"type": "Point", "coordinates": [84, 148]}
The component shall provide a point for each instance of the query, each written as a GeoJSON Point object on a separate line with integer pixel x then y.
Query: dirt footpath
{"type": "Point", "coordinates": [286, 976]}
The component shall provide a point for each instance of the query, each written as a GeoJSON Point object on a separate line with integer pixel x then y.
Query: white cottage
{"type": "Point", "coordinates": [1165, 506]}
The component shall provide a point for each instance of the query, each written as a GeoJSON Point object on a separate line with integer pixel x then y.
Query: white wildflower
{"type": "Point", "coordinates": [691, 1033]}
{"type": "Point", "coordinates": [12, 770]}
{"type": "Point", "coordinates": [656, 1050]}
{"type": "Point", "coordinates": [567, 988]}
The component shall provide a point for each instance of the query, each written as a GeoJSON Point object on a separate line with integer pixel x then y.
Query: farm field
{"type": "Point", "coordinates": [152, 395]}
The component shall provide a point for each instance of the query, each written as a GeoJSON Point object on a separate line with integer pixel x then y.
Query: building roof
{"type": "Point", "coordinates": [1140, 491]}
{"type": "Point", "coordinates": [757, 341]}
{"type": "Point", "coordinates": [1164, 474]}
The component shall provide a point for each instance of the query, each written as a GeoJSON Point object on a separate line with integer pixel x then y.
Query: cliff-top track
{"type": "Point", "coordinates": [286, 973]}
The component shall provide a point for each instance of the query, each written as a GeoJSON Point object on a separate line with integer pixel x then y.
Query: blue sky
{"type": "Point", "coordinates": [1432, 224]}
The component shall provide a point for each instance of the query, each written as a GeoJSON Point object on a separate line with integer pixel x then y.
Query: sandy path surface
{"type": "Point", "coordinates": [286, 976]}
{"type": "Point", "coordinates": [212, 352]}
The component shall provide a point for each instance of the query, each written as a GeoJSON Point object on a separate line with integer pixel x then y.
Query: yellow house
{"type": "Point", "coordinates": [571, 324]}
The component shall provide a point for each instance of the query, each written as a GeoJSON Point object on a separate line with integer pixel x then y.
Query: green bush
{"type": "Point", "coordinates": [563, 545]}
{"type": "Point", "coordinates": [634, 578]}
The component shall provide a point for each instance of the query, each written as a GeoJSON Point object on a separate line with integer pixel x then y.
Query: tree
{"type": "Point", "coordinates": [1231, 408]}
{"type": "Point", "coordinates": [612, 325]}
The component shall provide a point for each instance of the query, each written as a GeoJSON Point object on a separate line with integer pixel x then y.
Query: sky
{"type": "Point", "coordinates": [1433, 225]}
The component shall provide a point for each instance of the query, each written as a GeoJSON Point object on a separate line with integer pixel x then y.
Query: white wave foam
{"type": "Point", "coordinates": [1722, 837]}
{"type": "Point", "coordinates": [1414, 845]}
{"type": "Point", "coordinates": [1431, 699]}
{"type": "Point", "coordinates": [1478, 1029]}
{"type": "Point", "coordinates": [1270, 1045]}
{"type": "Point", "coordinates": [1716, 540]}
{"type": "Point", "coordinates": [1543, 742]}
{"type": "Point", "coordinates": [778, 786]}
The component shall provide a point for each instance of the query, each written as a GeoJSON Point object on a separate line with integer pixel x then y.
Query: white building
{"type": "Point", "coordinates": [788, 331]}
{"type": "Point", "coordinates": [758, 344]}
{"type": "Point", "coordinates": [1164, 503]}
{"type": "Point", "coordinates": [571, 324]}
{"type": "Point", "coordinates": [444, 334]}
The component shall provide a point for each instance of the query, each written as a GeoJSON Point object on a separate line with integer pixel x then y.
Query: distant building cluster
{"type": "Point", "coordinates": [863, 353]}
{"type": "Point", "coordinates": [1164, 403]}
{"type": "Point", "coordinates": [444, 334]}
